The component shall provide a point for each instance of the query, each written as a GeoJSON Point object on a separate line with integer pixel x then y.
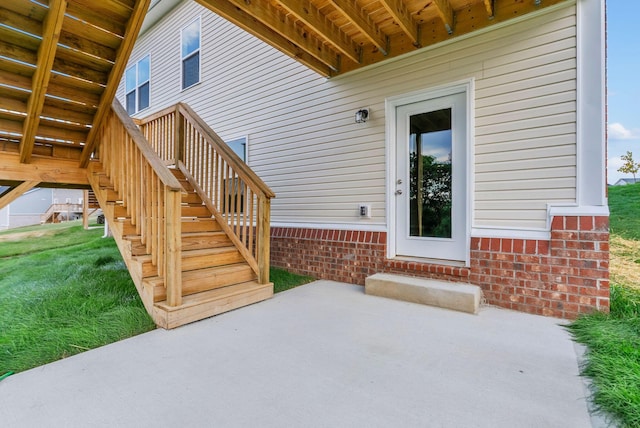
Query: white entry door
{"type": "Point", "coordinates": [431, 178]}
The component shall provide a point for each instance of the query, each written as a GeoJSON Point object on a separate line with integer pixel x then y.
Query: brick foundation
{"type": "Point", "coordinates": [561, 277]}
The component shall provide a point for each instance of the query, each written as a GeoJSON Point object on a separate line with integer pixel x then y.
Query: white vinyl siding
{"type": "Point", "coordinates": [306, 145]}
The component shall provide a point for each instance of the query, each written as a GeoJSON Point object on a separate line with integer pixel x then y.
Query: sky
{"type": "Point", "coordinates": [623, 83]}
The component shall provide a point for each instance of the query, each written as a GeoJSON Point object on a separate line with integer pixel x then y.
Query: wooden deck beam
{"type": "Point", "coordinates": [363, 23]}
{"type": "Point", "coordinates": [488, 4]}
{"type": "Point", "coordinates": [122, 56]}
{"type": "Point", "coordinates": [40, 82]}
{"type": "Point", "coordinates": [445, 11]}
{"type": "Point", "coordinates": [11, 195]}
{"type": "Point", "coordinates": [63, 172]}
{"type": "Point", "coordinates": [271, 26]}
{"type": "Point", "coordinates": [306, 12]}
{"type": "Point", "coordinates": [399, 12]}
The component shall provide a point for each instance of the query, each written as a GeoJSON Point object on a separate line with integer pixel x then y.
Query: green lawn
{"type": "Point", "coordinates": [64, 290]}
{"type": "Point", "coordinates": [613, 340]}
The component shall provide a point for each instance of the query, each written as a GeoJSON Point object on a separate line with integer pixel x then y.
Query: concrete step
{"type": "Point", "coordinates": [449, 295]}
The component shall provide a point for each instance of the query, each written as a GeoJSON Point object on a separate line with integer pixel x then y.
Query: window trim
{"type": "Point", "coordinates": [137, 86]}
{"type": "Point", "coordinates": [191, 54]}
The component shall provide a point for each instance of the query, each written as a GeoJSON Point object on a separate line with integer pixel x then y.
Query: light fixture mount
{"type": "Point", "coordinates": [362, 115]}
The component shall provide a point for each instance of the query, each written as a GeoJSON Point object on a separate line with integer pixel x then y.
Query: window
{"type": "Point", "coordinates": [239, 146]}
{"type": "Point", "coordinates": [190, 41]}
{"type": "Point", "coordinates": [137, 85]}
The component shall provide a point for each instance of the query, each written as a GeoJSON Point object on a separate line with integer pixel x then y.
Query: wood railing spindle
{"type": "Point", "coordinates": [238, 199]}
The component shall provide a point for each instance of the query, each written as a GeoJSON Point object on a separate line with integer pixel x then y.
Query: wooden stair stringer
{"type": "Point", "coordinates": [124, 246]}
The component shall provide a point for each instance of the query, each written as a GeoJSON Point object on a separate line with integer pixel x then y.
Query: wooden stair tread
{"type": "Point", "coordinates": [188, 224]}
{"type": "Point", "coordinates": [213, 295]}
{"type": "Point", "coordinates": [209, 251]}
{"type": "Point", "coordinates": [195, 259]}
{"type": "Point", "coordinates": [202, 273]}
{"type": "Point", "coordinates": [200, 280]}
{"type": "Point", "coordinates": [191, 198]}
{"type": "Point", "coordinates": [195, 253]}
{"type": "Point", "coordinates": [204, 234]}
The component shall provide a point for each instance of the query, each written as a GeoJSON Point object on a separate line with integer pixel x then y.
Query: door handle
{"type": "Point", "coordinates": [399, 192]}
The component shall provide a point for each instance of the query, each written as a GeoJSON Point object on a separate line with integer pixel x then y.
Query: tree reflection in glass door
{"type": "Point", "coordinates": [430, 147]}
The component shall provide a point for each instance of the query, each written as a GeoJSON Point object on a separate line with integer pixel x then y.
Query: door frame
{"type": "Point", "coordinates": [465, 87]}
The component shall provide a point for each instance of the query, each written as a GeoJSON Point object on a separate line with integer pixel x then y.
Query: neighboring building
{"type": "Point", "coordinates": [481, 160]}
{"type": "Point", "coordinates": [625, 181]}
{"type": "Point", "coordinates": [28, 208]}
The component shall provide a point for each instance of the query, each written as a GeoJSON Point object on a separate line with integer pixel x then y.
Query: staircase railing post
{"type": "Point", "coordinates": [173, 244]}
{"type": "Point", "coordinates": [179, 136]}
{"type": "Point", "coordinates": [264, 232]}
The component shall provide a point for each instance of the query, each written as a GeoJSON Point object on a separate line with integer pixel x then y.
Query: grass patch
{"type": "Point", "coordinates": [64, 290]}
{"type": "Point", "coordinates": [33, 239]}
{"type": "Point", "coordinates": [613, 356]}
{"type": "Point", "coordinates": [613, 339]}
{"type": "Point", "coordinates": [624, 203]}
{"type": "Point", "coordinates": [624, 262]}
{"type": "Point", "coordinates": [284, 280]}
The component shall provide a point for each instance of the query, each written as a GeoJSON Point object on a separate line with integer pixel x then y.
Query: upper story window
{"type": "Point", "coordinates": [190, 51]}
{"type": "Point", "coordinates": [137, 84]}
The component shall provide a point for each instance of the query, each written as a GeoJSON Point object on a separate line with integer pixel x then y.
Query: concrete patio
{"type": "Point", "coordinates": [324, 354]}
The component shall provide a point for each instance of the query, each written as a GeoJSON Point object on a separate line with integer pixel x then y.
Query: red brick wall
{"type": "Point", "coordinates": [561, 277]}
{"type": "Point", "coordinates": [339, 255]}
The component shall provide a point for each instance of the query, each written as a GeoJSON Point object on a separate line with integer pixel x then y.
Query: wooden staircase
{"type": "Point", "coordinates": [215, 271]}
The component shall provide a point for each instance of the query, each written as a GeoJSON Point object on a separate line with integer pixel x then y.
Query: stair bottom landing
{"type": "Point", "coordinates": [206, 304]}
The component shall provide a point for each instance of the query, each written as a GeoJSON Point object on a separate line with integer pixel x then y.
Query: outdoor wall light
{"type": "Point", "coordinates": [362, 115]}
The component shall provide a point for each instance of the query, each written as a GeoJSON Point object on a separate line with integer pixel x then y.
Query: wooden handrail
{"type": "Point", "coordinates": [237, 197]}
{"type": "Point", "coordinates": [148, 190]}
{"type": "Point", "coordinates": [230, 156]}
{"type": "Point", "coordinates": [150, 155]}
